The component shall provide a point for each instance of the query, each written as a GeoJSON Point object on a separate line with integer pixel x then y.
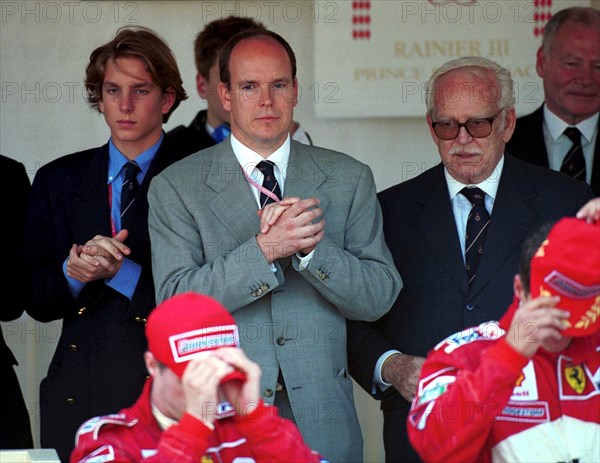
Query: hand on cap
{"type": "Point", "coordinates": [243, 396]}
{"type": "Point", "coordinates": [536, 321]}
{"type": "Point", "coordinates": [590, 212]}
{"type": "Point", "coordinates": [201, 383]}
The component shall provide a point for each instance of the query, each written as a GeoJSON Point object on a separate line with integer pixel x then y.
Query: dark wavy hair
{"type": "Point", "coordinates": [215, 35]}
{"type": "Point", "coordinates": [141, 43]}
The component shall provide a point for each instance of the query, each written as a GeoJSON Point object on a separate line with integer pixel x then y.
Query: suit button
{"type": "Point", "coordinates": [140, 320]}
{"type": "Point", "coordinates": [81, 310]}
{"type": "Point", "coordinates": [281, 341]}
{"type": "Point", "coordinates": [268, 393]}
{"type": "Point", "coordinates": [71, 401]}
{"type": "Point", "coordinates": [470, 307]}
{"type": "Point", "coordinates": [74, 347]}
{"type": "Point", "coordinates": [322, 275]}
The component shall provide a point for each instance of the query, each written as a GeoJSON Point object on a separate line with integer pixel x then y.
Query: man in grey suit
{"type": "Point", "coordinates": [292, 273]}
{"type": "Point", "coordinates": [427, 225]}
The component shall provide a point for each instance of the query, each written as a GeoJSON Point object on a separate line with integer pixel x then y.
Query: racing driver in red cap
{"type": "Point", "coordinates": [526, 389]}
{"type": "Point", "coordinates": [201, 402]}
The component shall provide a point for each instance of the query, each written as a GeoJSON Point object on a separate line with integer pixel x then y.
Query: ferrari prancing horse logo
{"type": "Point", "coordinates": [575, 377]}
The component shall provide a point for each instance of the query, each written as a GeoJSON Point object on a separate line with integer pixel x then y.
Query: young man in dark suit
{"type": "Point", "coordinates": [567, 62]}
{"type": "Point", "coordinates": [454, 233]}
{"type": "Point", "coordinates": [87, 249]}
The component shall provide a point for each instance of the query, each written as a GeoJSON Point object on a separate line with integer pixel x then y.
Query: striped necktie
{"type": "Point", "coordinates": [574, 162]}
{"type": "Point", "coordinates": [477, 224]}
{"type": "Point", "coordinates": [129, 189]}
{"type": "Point", "coordinates": [269, 182]}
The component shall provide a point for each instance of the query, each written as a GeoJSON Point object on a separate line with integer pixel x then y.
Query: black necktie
{"type": "Point", "coordinates": [269, 183]}
{"type": "Point", "coordinates": [129, 189]}
{"type": "Point", "coordinates": [574, 162]}
{"type": "Point", "coordinates": [476, 228]}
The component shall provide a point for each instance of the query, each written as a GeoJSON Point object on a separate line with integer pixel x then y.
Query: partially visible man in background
{"type": "Point", "coordinates": [563, 133]}
{"type": "Point", "coordinates": [15, 430]}
{"type": "Point", "coordinates": [211, 125]}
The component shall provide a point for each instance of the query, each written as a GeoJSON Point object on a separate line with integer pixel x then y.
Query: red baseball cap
{"type": "Point", "coordinates": [187, 326]}
{"type": "Point", "coordinates": [567, 264]}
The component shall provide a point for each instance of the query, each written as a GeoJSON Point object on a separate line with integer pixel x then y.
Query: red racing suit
{"type": "Point", "coordinates": [133, 435]}
{"type": "Point", "coordinates": [480, 400]}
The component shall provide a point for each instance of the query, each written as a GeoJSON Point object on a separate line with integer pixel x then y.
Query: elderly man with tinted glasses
{"type": "Point", "coordinates": [454, 232]}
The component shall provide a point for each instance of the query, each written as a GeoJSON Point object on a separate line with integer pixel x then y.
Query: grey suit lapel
{"type": "Point", "coordinates": [305, 175]}
{"type": "Point", "coordinates": [234, 204]}
{"type": "Point", "coordinates": [511, 221]}
{"type": "Point", "coordinates": [437, 226]}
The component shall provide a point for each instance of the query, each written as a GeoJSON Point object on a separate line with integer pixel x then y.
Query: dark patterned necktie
{"type": "Point", "coordinates": [477, 224]}
{"type": "Point", "coordinates": [269, 182]}
{"type": "Point", "coordinates": [574, 162]}
{"type": "Point", "coordinates": [129, 189]}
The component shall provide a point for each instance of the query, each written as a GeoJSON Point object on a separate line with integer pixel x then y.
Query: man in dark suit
{"type": "Point", "coordinates": [454, 277]}
{"type": "Point", "coordinates": [15, 430]}
{"type": "Point", "coordinates": [568, 63]}
{"type": "Point", "coordinates": [87, 249]}
{"type": "Point", "coordinates": [211, 125]}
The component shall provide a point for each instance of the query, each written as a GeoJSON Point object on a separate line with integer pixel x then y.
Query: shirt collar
{"type": "Point", "coordinates": [116, 159]}
{"type": "Point", "coordinates": [556, 126]}
{"type": "Point", "coordinates": [248, 158]}
{"type": "Point", "coordinates": [489, 185]}
{"type": "Point", "coordinates": [163, 420]}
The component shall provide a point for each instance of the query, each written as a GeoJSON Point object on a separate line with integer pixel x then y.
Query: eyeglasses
{"type": "Point", "coordinates": [477, 128]}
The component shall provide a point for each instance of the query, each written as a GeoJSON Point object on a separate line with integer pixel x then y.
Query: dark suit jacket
{"type": "Point", "coordinates": [15, 431]}
{"type": "Point", "coordinates": [98, 365]}
{"type": "Point", "coordinates": [436, 300]}
{"type": "Point", "coordinates": [527, 144]}
{"type": "Point", "coordinates": [194, 137]}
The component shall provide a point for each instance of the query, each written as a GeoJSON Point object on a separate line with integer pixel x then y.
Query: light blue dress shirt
{"type": "Point", "coordinates": [126, 279]}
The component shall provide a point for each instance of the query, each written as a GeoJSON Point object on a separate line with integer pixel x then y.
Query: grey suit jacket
{"type": "Point", "coordinates": [203, 224]}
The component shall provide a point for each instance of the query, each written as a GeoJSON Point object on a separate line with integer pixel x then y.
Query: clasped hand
{"type": "Point", "coordinates": [99, 258]}
{"type": "Point", "coordinates": [287, 227]}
